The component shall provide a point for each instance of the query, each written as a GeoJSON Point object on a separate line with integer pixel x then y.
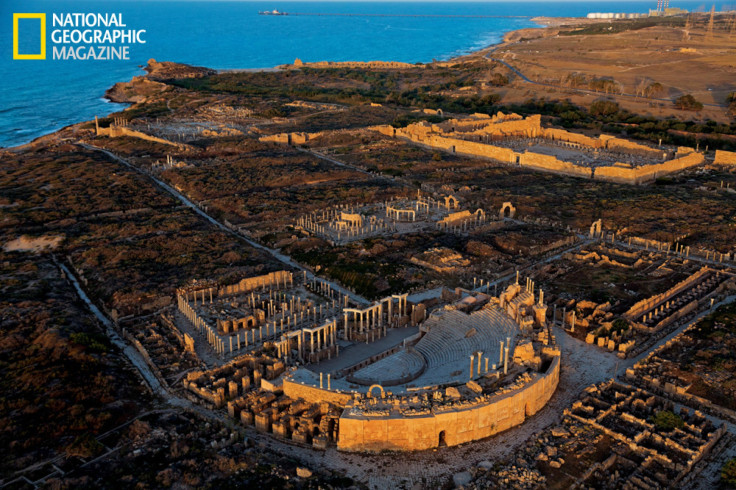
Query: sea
{"type": "Point", "coordinates": [40, 96]}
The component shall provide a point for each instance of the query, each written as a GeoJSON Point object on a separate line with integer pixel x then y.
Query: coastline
{"type": "Point", "coordinates": [113, 93]}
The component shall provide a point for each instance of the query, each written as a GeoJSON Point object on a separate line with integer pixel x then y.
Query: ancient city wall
{"type": "Point", "coordinates": [530, 127]}
{"type": "Point", "coordinates": [472, 148]}
{"type": "Point", "coordinates": [278, 278]}
{"type": "Point", "coordinates": [290, 138]}
{"type": "Point", "coordinates": [117, 131]}
{"type": "Point", "coordinates": [568, 137]}
{"type": "Point", "coordinates": [299, 138]}
{"type": "Point", "coordinates": [725, 158]}
{"type": "Point", "coordinates": [553, 164]}
{"type": "Point", "coordinates": [626, 146]}
{"type": "Point", "coordinates": [638, 175]}
{"type": "Point", "coordinates": [455, 426]}
{"type": "Point", "coordinates": [312, 394]}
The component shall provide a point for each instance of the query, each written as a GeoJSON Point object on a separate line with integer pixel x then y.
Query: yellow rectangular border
{"type": "Point", "coordinates": [42, 54]}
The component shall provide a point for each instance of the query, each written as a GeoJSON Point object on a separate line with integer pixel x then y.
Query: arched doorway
{"type": "Point", "coordinates": [507, 210]}
{"type": "Point", "coordinates": [442, 442]}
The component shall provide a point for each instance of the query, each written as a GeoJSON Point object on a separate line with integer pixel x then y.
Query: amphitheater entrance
{"type": "Point", "coordinates": [370, 391]}
{"type": "Point", "coordinates": [442, 442]}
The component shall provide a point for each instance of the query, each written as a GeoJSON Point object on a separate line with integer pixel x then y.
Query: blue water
{"type": "Point", "coordinates": [38, 97]}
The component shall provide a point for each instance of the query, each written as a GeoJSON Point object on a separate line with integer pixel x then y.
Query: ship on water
{"type": "Point", "coordinates": [272, 12]}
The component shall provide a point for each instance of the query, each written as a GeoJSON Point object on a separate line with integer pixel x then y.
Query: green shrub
{"type": "Point", "coordinates": [604, 108]}
{"type": "Point", "coordinates": [666, 420]}
{"type": "Point", "coordinates": [728, 472]}
{"type": "Point", "coordinates": [94, 342]}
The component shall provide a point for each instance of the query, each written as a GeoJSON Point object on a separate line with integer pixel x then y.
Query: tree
{"type": "Point", "coordinates": [688, 103]}
{"type": "Point", "coordinates": [666, 420]}
{"type": "Point", "coordinates": [603, 108]}
{"type": "Point", "coordinates": [499, 80]}
{"type": "Point", "coordinates": [641, 87]}
{"type": "Point", "coordinates": [731, 101]}
{"type": "Point", "coordinates": [655, 90]}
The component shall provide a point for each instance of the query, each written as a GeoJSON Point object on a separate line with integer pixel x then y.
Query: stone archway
{"type": "Point", "coordinates": [370, 391]}
{"type": "Point", "coordinates": [451, 202]}
{"type": "Point", "coordinates": [507, 206]}
{"type": "Point", "coordinates": [442, 441]}
{"type": "Point", "coordinates": [596, 228]}
{"type": "Point", "coordinates": [480, 214]}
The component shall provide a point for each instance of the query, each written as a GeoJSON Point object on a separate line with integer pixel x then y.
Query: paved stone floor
{"type": "Point", "coordinates": [352, 353]}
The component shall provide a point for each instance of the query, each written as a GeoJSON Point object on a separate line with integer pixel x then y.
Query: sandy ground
{"type": "Point", "coordinates": [29, 244]}
{"type": "Point", "coordinates": [682, 60]}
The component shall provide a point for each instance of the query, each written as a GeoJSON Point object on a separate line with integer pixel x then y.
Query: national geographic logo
{"type": "Point", "coordinates": [17, 55]}
{"type": "Point", "coordinates": [75, 36]}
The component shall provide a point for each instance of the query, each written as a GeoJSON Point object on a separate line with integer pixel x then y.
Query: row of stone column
{"type": "Point", "coordinates": [326, 335]}
{"type": "Point", "coordinates": [205, 329]}
{"type": "Point", "coordinates": [397, 214]}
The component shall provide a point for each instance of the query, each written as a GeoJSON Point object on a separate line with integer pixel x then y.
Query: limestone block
{"type": "Point", "coordinates": [473, 386]}
{"type": "Point", "coordinates": [523, 352]}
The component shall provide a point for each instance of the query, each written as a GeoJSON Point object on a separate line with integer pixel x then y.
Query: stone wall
{"type": "Point", "coordinates": [500, 125]}
{"type": "Point", "coordinates": [550, 163]}
{"type": "Point", "coordinates": [647, 173]}
{"type": "Point", "coordinates": [455, 426]}
{"type": "Point", "coordinates": [635, 312]}
{"type": "Point", "coordinates": [725, 158]}
{"type": "Point", "coordinates": [278, 279]}
{"type": "Point", "coordinates": [117, 131]}
{"type": "Point", "coordinates": [445, 136]}
{"type": "Point", "coordinates": [568, 137]}
{"type": "Point", "coordinates": [313, 394]}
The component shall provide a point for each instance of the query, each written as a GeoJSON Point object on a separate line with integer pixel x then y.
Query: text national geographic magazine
{"type": "Point", "coordinates": [367, 244]}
